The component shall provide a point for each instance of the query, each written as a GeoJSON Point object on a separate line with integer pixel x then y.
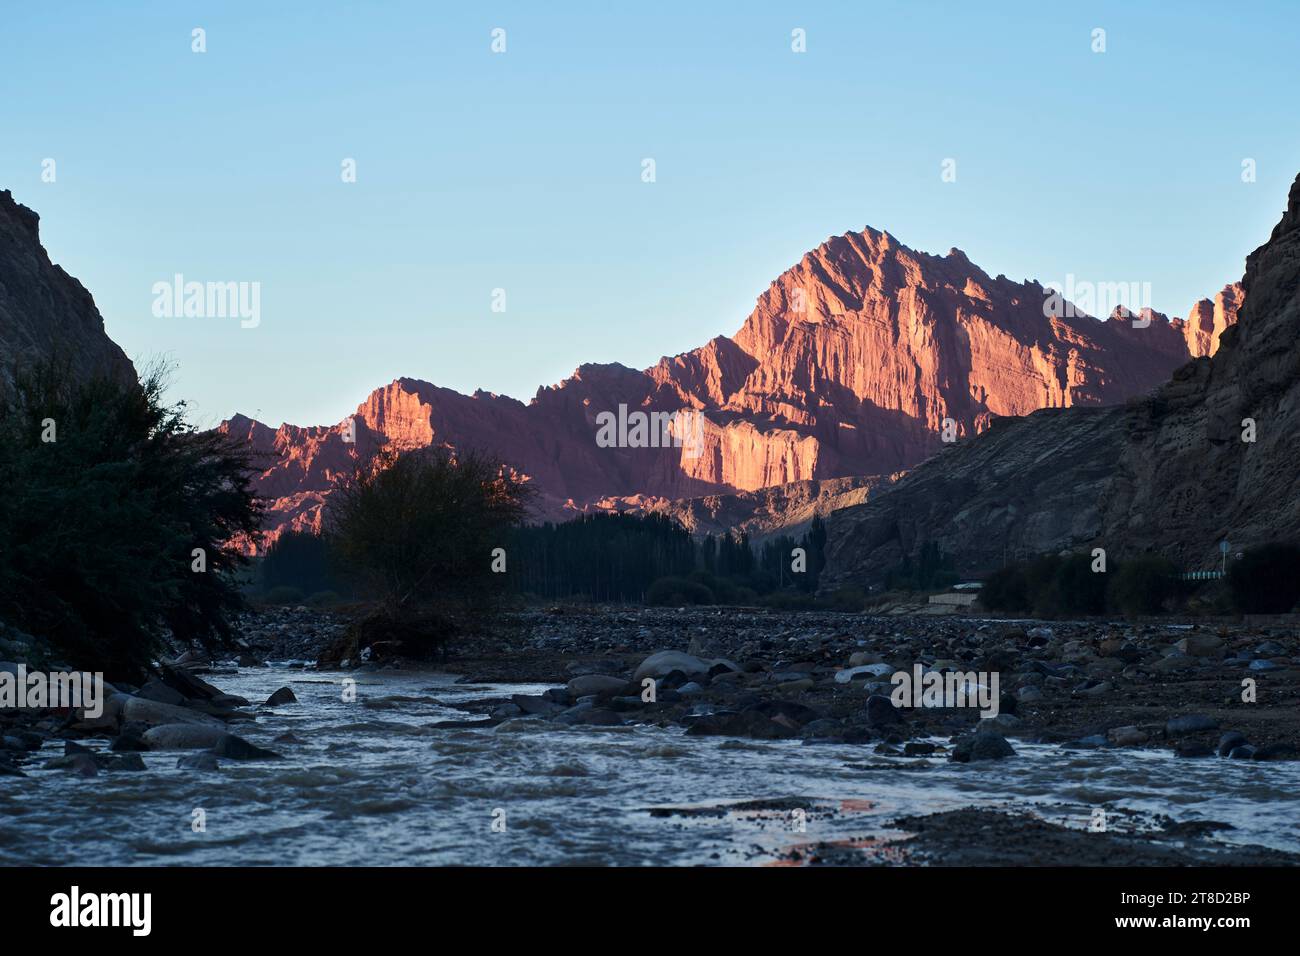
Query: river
{"type": "Point", "coordinates": [372, 783]}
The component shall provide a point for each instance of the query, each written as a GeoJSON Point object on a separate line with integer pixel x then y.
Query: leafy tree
{"type": "Point", "coordinates": [420, 528]}
{"type": "Point", "coordinates": [117, 520]}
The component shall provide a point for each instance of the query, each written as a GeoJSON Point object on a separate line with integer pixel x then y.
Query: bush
{"type": "Point", "coordinates": [284, 594]}
{"type": "Point", "coordinates": [845, 599]}
{"type": "Point", "coordinates": [298, 559]}
{"type": "Point", "coordinates": [790, 600]}
{"type": "Point", "coordinates": [1142, 585]}
{"type": "Point", "coordinates": [1073, 589]}
{"type": "Point", "coordinates": [676, 592]}
{"type": "Point", "coordinates": [1266, 579]}
{"type": "Point", "coordinates": [413, 634]}
{"type": "Point", "coordinates": [324, 599]}
{"type": "Point", "coordinates": [118, 531]}
{"type": "Point", "coordinates": [1006, 589]}
{"type": "Point", "coordinates": [421, 528]}
{"type": "Point", "coordinates": [1049, 586]}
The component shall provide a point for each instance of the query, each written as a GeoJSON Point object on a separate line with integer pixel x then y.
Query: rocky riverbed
{"type": "Point", "coordinates": [1112, 742]}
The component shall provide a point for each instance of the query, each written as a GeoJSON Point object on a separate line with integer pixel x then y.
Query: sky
{"type": "Point", "coordinates": [523, 170]}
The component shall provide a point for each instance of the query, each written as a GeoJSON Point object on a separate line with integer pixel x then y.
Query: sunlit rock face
{"type": "Point", "coordinates": [1207, 456]}
{"type": "Point", "coordinates": [852, 363]}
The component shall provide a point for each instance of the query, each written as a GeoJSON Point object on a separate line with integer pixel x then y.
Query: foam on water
{"type": "Point", "coordinates": [373, 783]}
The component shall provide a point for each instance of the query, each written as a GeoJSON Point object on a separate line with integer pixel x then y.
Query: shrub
{"type": "Point", "coordinates": [117, 532]}
{"type": "Point", "coordinates": [1006, 589]}
{"type": "Point", "coordinates": [845, 599]}
{"type": "Point", "coordinates": [1142, 585]}
{"type": "Point", "coordinates": [298, 559]}
{"type": "Point", "coordinates": [323, 599]}
{"type": "Point", "coordinates": [1074, 589]}
{"type": "Point", "coordinates": [675, 592]}
{"type": "Point", "coordinates": [284, 594]}
{"type": "Point", "coordinates": [420, 528]}
{"type": "Point", "coordinates": [1266, 579]}
{"type": "Point", "coordinates": [790, 600]}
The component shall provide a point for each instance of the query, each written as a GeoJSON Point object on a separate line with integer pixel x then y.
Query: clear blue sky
{"type": "Point", "coordinates": [523, 170]}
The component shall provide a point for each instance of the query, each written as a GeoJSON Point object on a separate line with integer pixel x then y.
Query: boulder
{"type": "Point", "coordinates": [862, 672]}
{"type": "Point", "coordinates": [986, 745]}
{"type": "Point", "coordinates": [182, 736]}
{"type": "Point", "coordinates": [1190, 724]}
{"type": "Point", "coordinates": [1129, 736]}
{"type": "Point", "coordinates": [156, 714]}
{"type": "Point", "coordinates": [282, 696]}
{"type": "Point", "coordinates": [237, 748]}
{"type": "Point", "coordinates": [663, 663]}
{"type": "Point", "coordinates": [1200, 645]}
{"type": "Point", "coordinates": [598, 685]}
{"type": "Point", "coordinates": [199, 761]}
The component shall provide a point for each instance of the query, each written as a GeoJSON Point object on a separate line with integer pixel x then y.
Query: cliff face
{"type": "Point", "coordinates": [46, 314]}
{"type": "Point", "coordinates": [849, 365]}
{"type": "Point", "coordinates": [1168, 472]}
{"type": "Point", "coordinates": [1212, 455]}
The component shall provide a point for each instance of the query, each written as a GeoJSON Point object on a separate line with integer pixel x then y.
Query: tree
{"type": "Point", "coordinates": [1266, 580]}
{"type": "Point", "coordinates": [421, 528]}
{"type": "Point", "coordinates": [117, 520]}
{"type": "Point", "coordinates": [814, 543]}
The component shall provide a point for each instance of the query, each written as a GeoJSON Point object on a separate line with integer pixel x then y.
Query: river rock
{"type": "Point", "coordinates": [880, 711]}
{"type": "Point", "coordinates": [1173, 663]}
{"type": "Point", "coordinates": [1229, 741]}
{"type": "Point", "coordinates": [157, 690]}
{"type": "Point", "coordinates": [199, 761]}
{"type": "Point", "coordinates": [237, 748]}
{"type": "Point", "coordinates": [282, 696]}
{"type": "Point", "coordinates": [599, 685]}
{"type": "Point", "coordinates": [1190, 724]}
{"type": "Point", "coordinates": [1200, 645]}
{"type": "Point", "coordinates": [663, 663]}
{"type": "Point", "coordinates": [536, 706]}
{"type": "Point", "coordinates": [863, 670]}
{"type": "Point", "coordinates": [156, 714]}
{"type": "Point", "coordinates": [1282, 751]}
{"type": "Point", "coordinates": [988, 745]}
{"type": "Point", "coordinates": [183, 736]}
{"type": "Point", "coordinates": [1129, 736]}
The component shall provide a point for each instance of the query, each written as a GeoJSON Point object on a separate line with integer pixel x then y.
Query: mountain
{"type": "Point", "coordinates": [46, 314]}
{"type": "Point", "coordinates": [1174, 472]}
{"type": "Point", "coordinates": [849, 365]}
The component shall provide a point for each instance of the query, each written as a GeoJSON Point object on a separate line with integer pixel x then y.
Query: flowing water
{"type": "Point", "coordinates": [373, 783]}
